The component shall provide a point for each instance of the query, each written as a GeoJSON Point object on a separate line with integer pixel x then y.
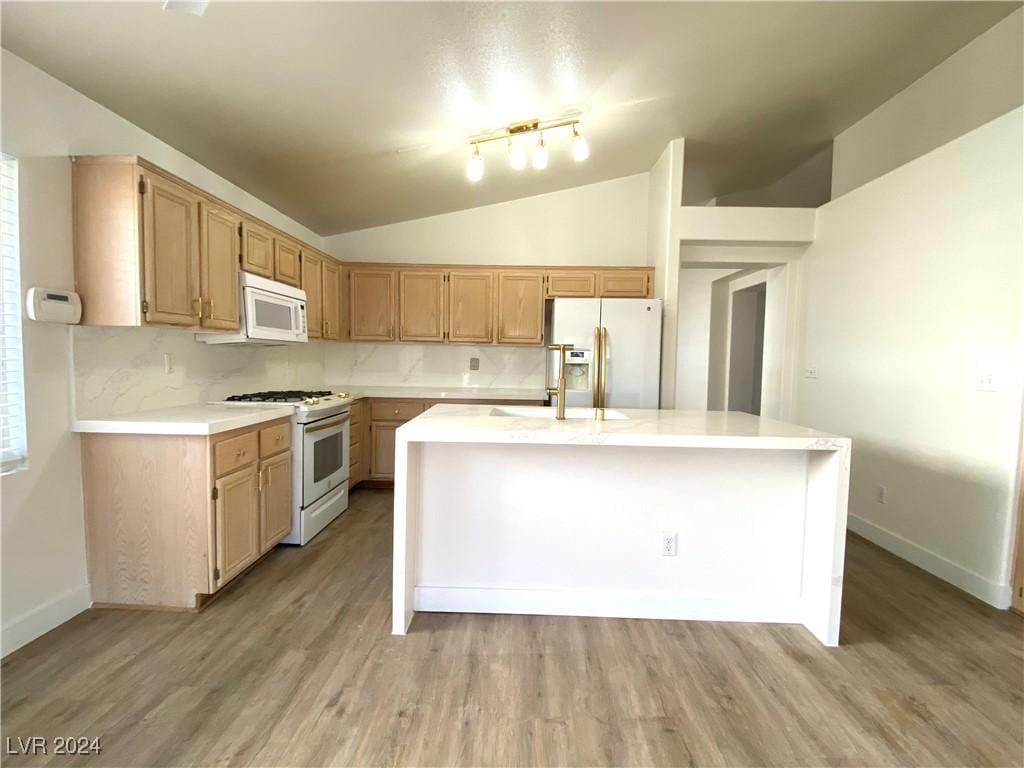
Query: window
{"type": "Point", "coordinates": [13, 448]}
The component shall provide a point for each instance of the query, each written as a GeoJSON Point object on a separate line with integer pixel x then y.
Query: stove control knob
{"type": "Point", "coordinates": [313, 401]}
{"type": "Point", "coordinates": [343, 394]}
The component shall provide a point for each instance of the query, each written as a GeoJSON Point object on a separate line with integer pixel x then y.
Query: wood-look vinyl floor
{"type": "Point", "coordinates": [295, 666]}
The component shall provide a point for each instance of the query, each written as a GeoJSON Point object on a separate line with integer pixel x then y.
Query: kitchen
{"type": "Point", "coordinates": [527, 446]}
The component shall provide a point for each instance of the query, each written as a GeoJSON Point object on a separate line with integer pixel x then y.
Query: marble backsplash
{"type": "Point", "coordinates": [122, 370]}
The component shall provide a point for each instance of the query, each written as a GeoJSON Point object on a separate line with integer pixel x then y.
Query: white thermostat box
{"type": "Point", "coordinates": [51, 306]}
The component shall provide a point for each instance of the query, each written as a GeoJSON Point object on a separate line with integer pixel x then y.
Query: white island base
{"type": "Point", "coordinates": [503, 511]}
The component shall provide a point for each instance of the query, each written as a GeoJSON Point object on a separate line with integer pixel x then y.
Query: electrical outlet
{"type": "Point", "coordinates": [883, 495]}
{"type": "Point", "coordinates": [811, 372]}
{"type": "Point", "coordinates": [669, 543]}
{"type": "Point", "coordinates": [168, 363]}
{"type": "Point", "coordinates": [986, 382]}
{"type": "Point", "coordinates": [474, 363]}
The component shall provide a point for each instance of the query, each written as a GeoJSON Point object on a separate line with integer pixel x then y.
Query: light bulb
{"type": "Point", "coordinates": [580, 147]}
{"type": "Point", "coordinates": [540, 155]}
{"type": "Point", "coordinates": [475, 166]}
{"type": "Point", "coordinates": [516, 156]}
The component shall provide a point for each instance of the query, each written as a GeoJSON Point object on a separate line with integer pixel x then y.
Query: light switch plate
{"type": "Point", "coordinates": [986, 382]}
{"type": "Point", "coordinates": [811, 372]}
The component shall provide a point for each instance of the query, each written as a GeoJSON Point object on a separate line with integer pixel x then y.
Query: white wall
{"type": "Point", "coordinates": [913, 289]}
{"type": "Point", "coordinates": [808, 185]}
{"type": "Point", "coordinates": [694, 336]}
{"type": "Point", "coordinates": [43, 544]}
{"type": "Point", "coordinates": [603, 223]}
{"type": "Point", "coordinates": [981, 81]}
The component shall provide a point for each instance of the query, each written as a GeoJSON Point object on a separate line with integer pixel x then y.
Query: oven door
{"type": "Point", "coordinates": [324, 456]}
{"type": "Point", "coordinates": [273, 316]}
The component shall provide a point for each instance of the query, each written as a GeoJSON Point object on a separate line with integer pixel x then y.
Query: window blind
{"type": "Point", "coordinates": [13, 447]}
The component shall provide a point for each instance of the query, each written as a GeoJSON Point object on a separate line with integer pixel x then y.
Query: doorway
{"type": "Point", "coordinates": [746, 349]}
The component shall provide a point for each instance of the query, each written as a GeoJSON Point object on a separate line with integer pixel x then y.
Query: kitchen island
{"type": "Point", "coordinates": [712, 516]}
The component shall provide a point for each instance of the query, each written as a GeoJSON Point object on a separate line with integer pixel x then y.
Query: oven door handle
{"type": "Point", "coordinates": [329, 425]}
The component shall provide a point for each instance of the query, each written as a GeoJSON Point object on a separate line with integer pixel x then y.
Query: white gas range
{"type": "Point", "coordinates": [320, 455]}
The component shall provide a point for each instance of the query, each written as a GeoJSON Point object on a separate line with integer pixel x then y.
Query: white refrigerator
{"type": "Point", "coordinates": [616, 357]}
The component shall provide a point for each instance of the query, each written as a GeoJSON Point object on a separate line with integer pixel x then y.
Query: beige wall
{"type": "Point", "coordinates": [604, 223]}
{"type": "Point", "coordinates": [913, 289]}
{"type": "Point", "coordinates": [43, 544]}
{"type": "Point", "coordinates": [981, 81]}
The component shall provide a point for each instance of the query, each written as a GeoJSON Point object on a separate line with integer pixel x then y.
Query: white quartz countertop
{"type": "Point", "coordinates": [197, 419]}
{"type": "Point", "coordinates": [448, 423]}
{"type": "Point", "coordinates": [444, 393]}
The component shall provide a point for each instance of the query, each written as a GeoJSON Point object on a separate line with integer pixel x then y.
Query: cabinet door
{"type": "Point", "coordinates": [219, 245]}
{"type": "Point", "coordinates": [286, 261]}
{"type": "Point", "coordinates": [471, 306]}
{"type": "Point", "coordinates": [237, 522]}
{"type": "Point", "coordinates": [382, 440]}
{"type": "Point", "coordinates": [520, 307]}
{"type": "Point", "coordinates": [312, 284]}
{"type": "Point", "coordinates": [170, 250]}
{"type": "Point", "coordinates": [623, 283]}
{"type": "Point", "coordinates": [572, 283]}
{"type": "Point", "coordinates": [372, 304]}
{"type": "Point", "coordinates": [257, 249]}
{"type": "Point", "coordinates": [421, 305]}
{"type": "Point", "coordinates": [330, 299]}
{"type": "Point", "coordinates": [275, 499]}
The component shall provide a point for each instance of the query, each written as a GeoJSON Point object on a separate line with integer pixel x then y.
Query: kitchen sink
{"type": "Point", "coordinates": [542, 412]}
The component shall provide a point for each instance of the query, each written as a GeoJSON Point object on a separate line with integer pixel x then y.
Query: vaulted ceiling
{"type": "Point", "coordinates": [351, 115]}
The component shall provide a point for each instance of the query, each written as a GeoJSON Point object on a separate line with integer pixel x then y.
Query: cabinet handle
{"type": "Point", "coordinates": [261, 479]}
{"type": "Point", "coordinates": [240, 454]}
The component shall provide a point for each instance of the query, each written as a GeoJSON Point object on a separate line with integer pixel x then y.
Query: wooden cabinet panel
{"type": "Point", "coordinates": [275, 500]}
{"type": "Point", "coordinates": [235, 452]}
{"type": "Point", "coordinates": [287, 268]}
{"type": "Point", "coordinates": [257, 249]}
{"type": "Point", "coordinates": [382, 440]}
{"type": "Point", "coordinates": [572, 283]}
{"type": "Point", "coordinates": [170, 250]}
{"type": "Point", "coordinates": [623, 283]}
{"type": "Point", "coordinates": [520, 307]}
{"type": "Point", "coordinates": [312, 284]}
{"type": "Point", "coordinates": [395, 410]}
{"type": "Point", "coordinates": [372, 303]}
{"type": "Point", "coordinates": [237, 522]}
{"type": "Point", "coordinates": [219, 245]}
{"type": "Point", "coordinates": [330, 299]}
{"type": "Point", "coordinates": [471, 306]}
{"type": "Point", "coordinates": [275, 438]}
{"type": "Point", "coordinates": [421, 305]}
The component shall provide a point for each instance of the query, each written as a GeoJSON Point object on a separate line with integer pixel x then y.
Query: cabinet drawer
{"type": "Point", "coordinates": [395, 410]}
{"type": "Point", "coordinates": [275, 439]}
{"type": "Point", "coordinates": [229, 455]}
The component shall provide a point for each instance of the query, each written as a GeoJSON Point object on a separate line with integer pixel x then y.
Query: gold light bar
{"type": "Point", "coordinates": [518, 129]}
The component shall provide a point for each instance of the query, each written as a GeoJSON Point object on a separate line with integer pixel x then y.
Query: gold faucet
{"type": "Point", "coordinates": [559, 391]}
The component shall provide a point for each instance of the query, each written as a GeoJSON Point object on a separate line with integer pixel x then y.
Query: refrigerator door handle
{"type": "Point", "coordinates": [596, 383]}
{"type": "Point", "coordinates": [604, 367]}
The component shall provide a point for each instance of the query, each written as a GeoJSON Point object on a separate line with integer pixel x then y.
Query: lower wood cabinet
{"type": "Point", "coordinates": [170, 519]}
{"type": "Point", "coordinates": [382, 438]}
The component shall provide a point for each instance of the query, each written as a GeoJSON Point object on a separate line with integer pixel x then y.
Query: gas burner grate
{"type": "Point", "coordinates": [278, 396]}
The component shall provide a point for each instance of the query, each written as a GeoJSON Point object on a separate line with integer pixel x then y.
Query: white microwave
{"type": "Point", "coordinates": [270, 313]}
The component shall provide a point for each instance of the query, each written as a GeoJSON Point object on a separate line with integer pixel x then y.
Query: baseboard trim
{"type": "Point", "coordinates": [609, 603]}
{"type": "Point", "coordinates": [996, 595]}
{"type": "Point", "coordinates": [41, 620]}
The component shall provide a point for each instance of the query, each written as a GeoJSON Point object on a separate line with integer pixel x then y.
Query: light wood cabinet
{"type": "Point", "coordinates": [624, 283]}
{"type": "Point", "coordinates": [287, 267]}
{"type": "Point", "coordinates": [170, 252]}
{"type": "Point", "coordinates": [203, 509]}
{"type": "Point", "coordinates": [471, 306]}
{"type": "Point", "coordinates": [421, 305]}
{"type": "Point", "coordinates": [372, 304]}
{"type": "Point", "coordinates": [312, 284]}
{"type": "Point", "coordinates": [219, 244]}
{"type": "Point", "coordinates": [520, 307]}
{"type": "Point", "coordinates": [331, 298]}
{"type": "Point", "coordinates": [236, 508]}
{"type": "Point", "coordinates": [382, 438]}
{"type": "Point", "coordinates": [275, 499]}
{"type": "Point", "coordinates": [571, 283]}
{"type": "Point", "coordinates": [257, 249]}
{"type": "Point", "coordinates": [359, 443]}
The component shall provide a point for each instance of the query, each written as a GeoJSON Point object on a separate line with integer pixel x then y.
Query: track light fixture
{"type": "Point", "coordinates": [517, 150]}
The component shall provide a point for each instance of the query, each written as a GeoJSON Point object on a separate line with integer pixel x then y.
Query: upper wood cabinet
{"type": "Point", "coordinates": [218, 258]}
{"type": "Point", "coordinates": [576, 283]}
{"type": "Point", "coordinates": [372, 303]}
{"type": "Point", "coordinates": [421, 305]}
{"type": "Point", "coordinates": [520, 307]}
{"type": "Point", "coordinates": [471, 306]}
{"type": "Point", "coordinates": [257, 249]}
{"type": "Point", "coordinates": [312, 284]}
{"type": "Point", "coordinates": [624, 283]}
{"type": "Point", "coordinates": [331, 298]}
{"type": "Point", "coordinates": [287, 268]}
